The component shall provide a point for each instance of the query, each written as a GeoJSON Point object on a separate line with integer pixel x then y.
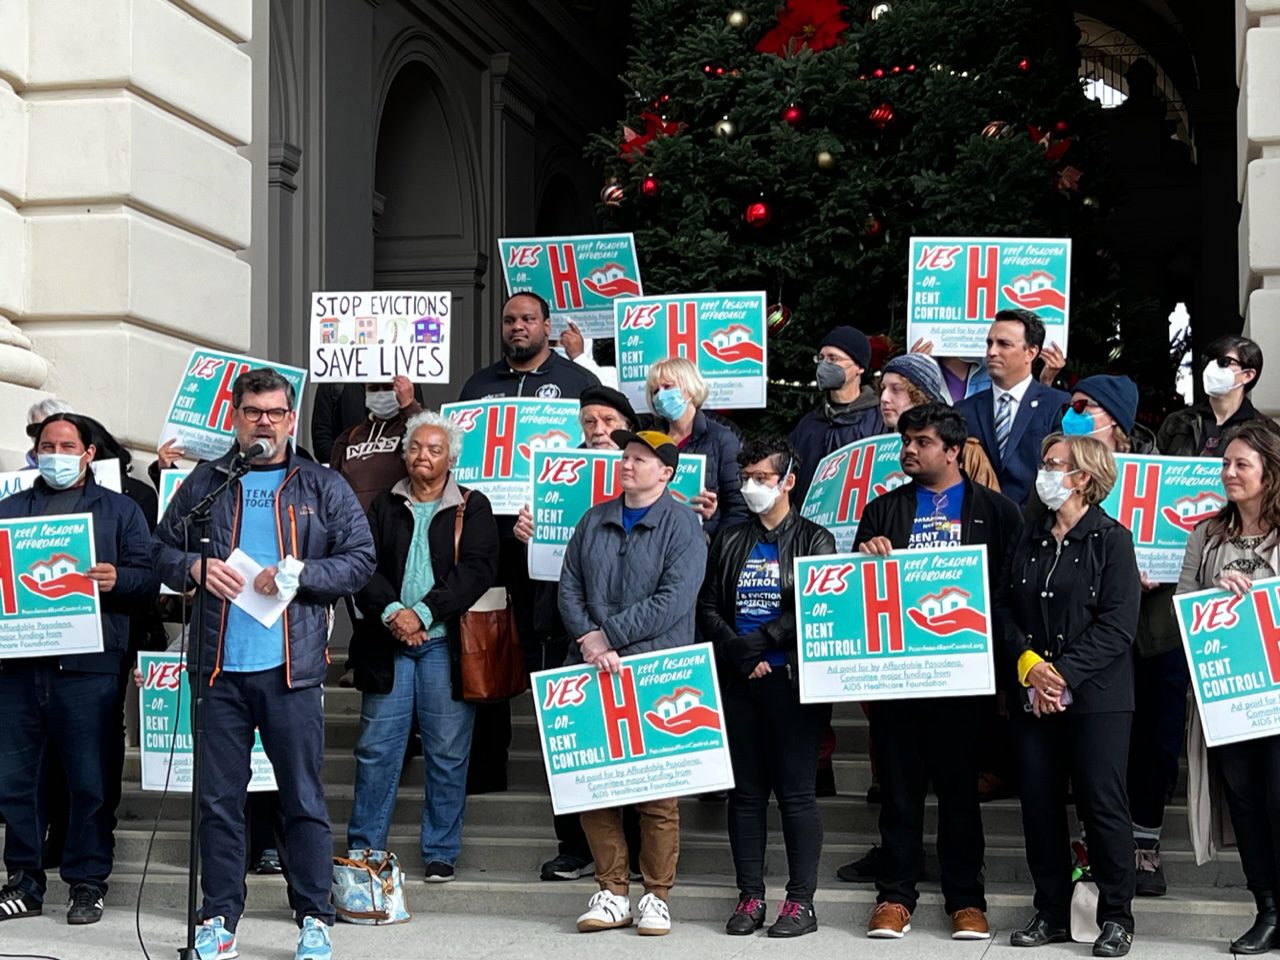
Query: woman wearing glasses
{"type": "Point", "coordinates": [1069, 614]}
{"type": "Point", "coordinates": [747, 611]}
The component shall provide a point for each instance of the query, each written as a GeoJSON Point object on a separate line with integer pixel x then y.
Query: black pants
{"type": "Point", "coordinates": [918, 741]}
{"type": "Point", "coordinates": [292, 726]}
{"type": "Point", "coordinates": [1090, 749]}
{"type": "Point", "coordinates": [1251, 775]}
{"type": "Point", "coordinates": [1159, 722]}
{"type": "Point", "coordinates": [773, 743]}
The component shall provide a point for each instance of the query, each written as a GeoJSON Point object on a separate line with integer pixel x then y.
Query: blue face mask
{"type": "Point", "coordinates": [670, 404]}
{"type": "Point", "coordinates": [1077, 424]}
{"type": "Point", "coordinates": [60, 470]}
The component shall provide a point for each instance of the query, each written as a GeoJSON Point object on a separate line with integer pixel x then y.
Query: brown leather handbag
{"type": "Point", "coordinates": [492, 657]}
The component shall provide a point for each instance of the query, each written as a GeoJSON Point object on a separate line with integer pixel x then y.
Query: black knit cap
{"type": "Point", "coordinates": [608, 397]}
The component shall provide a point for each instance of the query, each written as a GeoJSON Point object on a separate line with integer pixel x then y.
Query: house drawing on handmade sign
{"type": "Point", "coordinates": [1203, 504]}
{"type": "Point", "coordinates": [608, 272]}
{"type": "Point", "coordinates": [1038, 280]}
{"type": "Point", "coordinates": [894, 480]}
{"type": "Point", "coordinates": [737, 333]}
{"type": "Point", "coordinates": [59, 565]}
{"type": "Point", "coordinates": [428, 330]}
{"type": "Point", "coordinates": [329, 330]}
{"type": "Point", "coordinates": [679, 701]}
{"type": "Point", "coordinates": [366, 329]}
{"type": "Point", "coordinates": [936, 604]}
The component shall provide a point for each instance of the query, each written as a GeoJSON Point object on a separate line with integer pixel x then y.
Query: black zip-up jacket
{"type": "Point", "coordinates": [457, 585]}
{"type": "Point", "coordinates": [556, 379]}
{"type": "Point", "coordinates": [730, 549]}
{"type": "Point", "coordinates": [1075, 605]}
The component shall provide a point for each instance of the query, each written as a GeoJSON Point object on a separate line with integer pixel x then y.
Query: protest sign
{"type": "Point", "coordinates": [654, 730]}
{"type": "Point", "coordinates": [170, 481]}
{"type": "Point", "coordinates": [1160, 500]}
{"type": "Point", "coordinates": [568, 483]}
{"type": "Point", "coordinates": [914, 624]}
{"type": "Point", "coordinates": [105, 472]}
{"type": "Point", "coordinates": [579, 276]}
{"type": "Point", "coordinates": [956, 285]}
{"type": "Point", "coordinates": [1232, 645]}
{"type": "Point", "coordinates": [723, 334]}
{"type": "Point", "coordinates": [200, 415]}
{"type": "Point", "coordinates": [374, 336]}
{"type": "Point", "coordinates": [48, 604]}
{"type": "Point", "coordinates": [849, 478]}
{"type": "Point", "coordinates": [164, 705]}
{"type": "Point", "coordinates": [499, 437]}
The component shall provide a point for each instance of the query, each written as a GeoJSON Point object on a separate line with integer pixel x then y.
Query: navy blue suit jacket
{"type": "Point", "coordinates": [1038, 416]}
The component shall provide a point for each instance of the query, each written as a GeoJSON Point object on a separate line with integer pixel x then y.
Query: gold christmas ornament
{"type": "Point", "coordinates": [736, 19]}
{"type": "Point", "coordinates": [825, 160]}
{"type": "Point", "coordinates": [724, 128]}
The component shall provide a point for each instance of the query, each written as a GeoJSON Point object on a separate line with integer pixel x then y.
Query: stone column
{"type": "Point", "coordinates": [1258, 47]}
{"type": "Point", "coordinates": [124, 187]}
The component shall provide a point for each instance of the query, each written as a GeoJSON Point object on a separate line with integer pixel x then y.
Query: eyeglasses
{"type": "Point", "coordinates": [1052, 464]}
{"type": "Point", "coordinates": [759, 477]}
{"type": "Point", "coordinates": [1083, 404]}
{"type": "Point", "coordinates": [1225, 361]}
{"type": "Point", "coordinates": [254, 414]}
{"type": "Point", "coordinates": [827, 358]}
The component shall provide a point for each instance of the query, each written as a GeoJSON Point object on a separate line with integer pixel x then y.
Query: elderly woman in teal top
{"type": "Point", "coordinates": [428, 574]}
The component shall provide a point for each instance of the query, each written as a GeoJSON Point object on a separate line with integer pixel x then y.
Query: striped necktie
{"type": "Point", "coordinates": [1004, 421]}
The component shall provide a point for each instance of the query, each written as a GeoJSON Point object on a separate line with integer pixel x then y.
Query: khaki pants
{"type": "Point", "coordinates": [659, 846]}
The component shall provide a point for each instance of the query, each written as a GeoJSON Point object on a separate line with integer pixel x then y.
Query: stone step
{"type": "Point", "coordinates": [1200, 913]}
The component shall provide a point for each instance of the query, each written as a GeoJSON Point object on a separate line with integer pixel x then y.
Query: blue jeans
{"type": "Point", "coordinates": [421, 687]}
{"type": "Point", "coordinates": [48, 711]}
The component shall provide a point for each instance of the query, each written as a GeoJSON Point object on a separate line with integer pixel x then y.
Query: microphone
{"type": "Point", "coordinates": [260, 448]}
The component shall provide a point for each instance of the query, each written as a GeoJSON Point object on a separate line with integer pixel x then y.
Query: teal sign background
{"type": "Point", "coordinates": [849, 478]}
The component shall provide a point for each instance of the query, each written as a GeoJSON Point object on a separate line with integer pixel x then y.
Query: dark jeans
{"type": "Point", "coordinates": [1251, 776]}
{"type": "Point", "coordinates": [1090, 749]}
{"type": "Point", "coordinates": [1159, 722]}
{"type": "Point", "coordinates": [918, 741]}
{"type": "Point", "coordinates": [47, 712]}
{"type": "Point", "coordinates": [773, 743]}
{"type": "Point", "coordinates": [292, 726]}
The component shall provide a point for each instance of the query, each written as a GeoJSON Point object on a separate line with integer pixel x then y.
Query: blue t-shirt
{"type": "Point", "coordinates": [937, 522]}
{"type": "Point", "coordinates": [249, 645]}
{"type": "Point", "coordinates": [632, 515]}
{"type": "Point", "coordinates": [759, 597]}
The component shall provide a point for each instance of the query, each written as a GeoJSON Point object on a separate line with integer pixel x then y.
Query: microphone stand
{"type": "Point", "coordinates": [201, 515]}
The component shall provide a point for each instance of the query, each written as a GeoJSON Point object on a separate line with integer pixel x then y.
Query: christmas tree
{"type": "Point", "coordinates": [797, 148]}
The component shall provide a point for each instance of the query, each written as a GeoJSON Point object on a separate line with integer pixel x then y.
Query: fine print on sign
{"type": "Point", "coordinates": [376, 336]}
{"type": "Point", "coordinates": [655, 730]}
{"type": "Point", "coordinates": [914, 624]}
{"type": "Point", "coordinates": [849, 478]}
{"type": "Point", "coordinates": [956, 285]}
{"type": "Point", "coordinates": [1232, 645]}
{"type": "Point", "coordinates": [1160, 500]}
{"type": "Point", "coordinates": [579, 276]}
{"type": "Point", "coordinates": [200, 416]}
{"type": "Point", "coordinates": [723, 334]}
{"type": "Point", "coordinates": [48, 604]}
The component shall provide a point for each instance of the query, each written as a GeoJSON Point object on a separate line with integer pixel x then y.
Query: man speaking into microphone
{"type": "Point", "coordinates": [301, 526]}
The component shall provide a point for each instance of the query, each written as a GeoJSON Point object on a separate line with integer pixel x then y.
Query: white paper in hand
{"type": "Point", "coordinates": [266, 610]}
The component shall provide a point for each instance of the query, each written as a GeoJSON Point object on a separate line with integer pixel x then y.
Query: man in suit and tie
{"type": "Point", "coordinates": [1015, 413]}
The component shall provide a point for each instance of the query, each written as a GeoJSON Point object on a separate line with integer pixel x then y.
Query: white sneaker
{"type": "Point", "coordinates": [655, 918]}
{"type": "Point", "coordinates": [606, 911]}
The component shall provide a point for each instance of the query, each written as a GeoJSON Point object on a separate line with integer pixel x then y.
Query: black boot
{"type": "Point", "coordinates": [1265, 932]}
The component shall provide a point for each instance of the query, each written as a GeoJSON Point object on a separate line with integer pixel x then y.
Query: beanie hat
{"type": "Point", "coordinates": [1116, 395]}
{"type": "Point", "coordinates": [923, 373]}
{"type": "Point", "coordinates": [608, 397]}
{"type": "Point", "coordinates": [853, 342]}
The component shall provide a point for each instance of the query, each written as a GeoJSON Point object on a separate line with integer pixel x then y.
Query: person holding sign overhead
{"type": "Point", "coordinates": [627, 587]}
{"type": "Point", "coordinates": [941, 507]}
{"type": "Point", "coordinates": [747, 611]}
{"type": "Point", "coordinates": [1069, 612]}
{"type": "Point", "coordinates": [70, 705]}
{"type": "Point", "coordinates": [301, 528]}
{"type": "Point", "coordinates": [1230, 551]}
{"type": "Point", "coordinates": [676, 393]}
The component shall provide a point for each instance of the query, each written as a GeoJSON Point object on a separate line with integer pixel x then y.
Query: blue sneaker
{"type": "Point", "coordinates": [214, 941]}
{"type": "Point", "coordinates": [313, 941]}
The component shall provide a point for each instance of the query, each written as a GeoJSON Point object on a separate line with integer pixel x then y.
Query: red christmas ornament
{"type": "Point", "coordinates": [719, 71]}
{"type": "Point", "coordinates": [911, 68]}
{"type": "Point", "coordinates": [650, 186]}
{"type": "Point", "coordinates": [816, 24]}
{"type": "Point", "coordinates": [758, 214]}
{"type": "Point", "coordinates": [777, 316]}
{"type": "Point", "coordinates": [1062, 126]}
{"type": "Point", "coordinates": [873, 227]}
{"type": "Point", "coordinates": [793, 114]}
{"type": "Point", "coordinates": [897, 69]}
{"type": "Point", "coordinates": [1024, 64]}
{"type": "Point", "coordinates": [882, 115]}
{"type": "Point", "coordinates": [878, 73]}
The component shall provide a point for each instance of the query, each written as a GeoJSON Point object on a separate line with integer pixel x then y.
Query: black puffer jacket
{"type": "Point", "coordinates": [730, 549]}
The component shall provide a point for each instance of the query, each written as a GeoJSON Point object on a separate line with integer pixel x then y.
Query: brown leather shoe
{"type": "Point", "coordinates": [889, 922]}
{"type": "Point", "coordinates": [969, 923]}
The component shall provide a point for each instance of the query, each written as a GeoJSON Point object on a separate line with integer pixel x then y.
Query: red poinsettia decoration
{"type": "Point", "coordinates": [816, 24]}
{"type": "Point", "coordinates": [634, 144]}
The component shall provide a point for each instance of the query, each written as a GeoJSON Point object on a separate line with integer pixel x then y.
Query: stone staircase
{"type": "Point", "coordinates": [508, 835]}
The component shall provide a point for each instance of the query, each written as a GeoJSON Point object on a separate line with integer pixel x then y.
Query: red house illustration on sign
{"type": "Point", "coordinates": [681, 712]}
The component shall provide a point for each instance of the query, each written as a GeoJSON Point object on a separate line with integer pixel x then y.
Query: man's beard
{"type": "Point", "coordinates": [521, 354]}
